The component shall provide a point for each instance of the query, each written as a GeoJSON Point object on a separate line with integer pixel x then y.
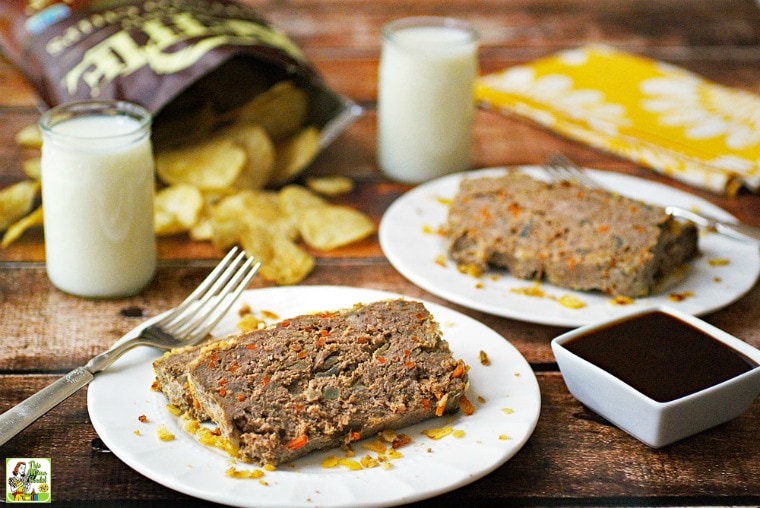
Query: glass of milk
{"type": "Point", "coordinates": [428, 68]}
{"type": "Point", "coordinates": [97, 196]}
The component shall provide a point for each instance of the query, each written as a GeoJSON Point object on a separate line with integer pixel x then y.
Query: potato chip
{"type": "Point", "coordinates": [212, 165]}
{"type": "Point", "coordinates": [33, 168]}
{"type": "Point", "coordinates": [296, 199]}
{"type": "Point", "coordinates": [282, 261]}
{"type": "Point", "coordinates": [233, 214]}
{"type": "Point", "coordinates": [259, 150]}
{"type": "Point", "coordinates": [281, 110]}
{"type": "Point", "coordinates": [330, 185]}
{"type": "Point", "coordinates": [226, 223]}
{"type": "Point", "coordinates": [202, 231]}
{"type": "Point", "coordinates": [329, 227]}
{"type": "Point", "coordinates": [18, 228]}
{"type": "Point", "coordinates": [225, 232]}
{"type": "Point", "coordinates": [176, 209]}
{"type": "Point", "coordinates": [294, 154]}
{"type": "Point", "coordinates": [16, 201]}
{"type": "Point", "coordinates": [29, 137]}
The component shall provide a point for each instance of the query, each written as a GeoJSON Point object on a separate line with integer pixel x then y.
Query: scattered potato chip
{"type": "Point", "coordinates": [33, 168]}
{"type": "Point", "coordinates": [16, 201]}
{"type": "Point", "coordinates": [213, 165]}
{"type": "Point", "coordinates": [296, 199]}
{"type": "Point", "coordinates": [282, 261]}
{"type": "Point", "coordinates": [202, 231]}
{"type": "Point", "coordinates": [18, 228]}
{"type": "Point", "coordinates": [330, 185]}
{"type": "Point", "coordinates": [329, 227]}
{"type": "Point", "coordinates": [176, 209]}
{"type": "Point", "coordinates": [294, 154]}
{"type": "Point", "coordinates": [226, 225]}
{"type": "Point", "coordinates": [233, 214]}
{"type": "Point", "coordinates": [29, 137]}
{"type": "Point", "coordinates": [259, 149]}
{"type": "Point", "coordinates": [281, 110]}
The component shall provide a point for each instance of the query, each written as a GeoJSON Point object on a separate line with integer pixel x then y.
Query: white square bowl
{"type": "Point", "coordinates": [655, 423]}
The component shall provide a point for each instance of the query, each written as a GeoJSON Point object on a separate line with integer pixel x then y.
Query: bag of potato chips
{"type": "Point", "coordinates": [237, 110]}
{"type": "Point", "coordinates": [195, 64]}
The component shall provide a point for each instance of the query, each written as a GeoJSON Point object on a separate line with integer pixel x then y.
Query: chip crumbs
{"type": "Point", "coordinates": [384, 446]}
{"type": "Point", "coordinates": [164, 434]}
{"type": "Point", "coordinates": [679, 297]}
{"type": "Point", "coordinates": [244, 474]}
{"type": "Point", "coordinates": [439, 432]}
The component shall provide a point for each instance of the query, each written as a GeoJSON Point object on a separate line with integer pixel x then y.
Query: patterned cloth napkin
{"type": "Point", "coordinates": [653, 113]}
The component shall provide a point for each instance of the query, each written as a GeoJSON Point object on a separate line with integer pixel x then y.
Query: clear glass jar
{"type": "Point", "coordinates": [97, 198]}
{"type": "Point", "coordinates": [426, 105]}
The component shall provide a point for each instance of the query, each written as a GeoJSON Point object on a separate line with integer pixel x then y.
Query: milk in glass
{"type": "Point", "coordinates": [97, 196]}
{"type": "Point", "coordinates": [426, 107]}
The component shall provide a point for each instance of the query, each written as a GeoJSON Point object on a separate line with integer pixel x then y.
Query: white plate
{"type": "Point", "coordinates": [408, 238]}
{"type": "Point", "coordinates": [118, 396]}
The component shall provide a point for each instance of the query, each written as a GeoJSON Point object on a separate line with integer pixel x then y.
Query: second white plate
{"type": "Point", "coordinates": [409, 238]}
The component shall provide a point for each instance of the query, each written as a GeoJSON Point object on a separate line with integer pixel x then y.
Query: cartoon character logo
{"type": "Point", "coordinates": [28, 480]}
{"type": "Point", "coordinates": [19, 482]}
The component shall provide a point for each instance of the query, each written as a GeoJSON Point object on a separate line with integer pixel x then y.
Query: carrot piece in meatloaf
{"type": "Point", "coordinates": [322, 380]}
{"type": "Point", "coordinates": [569, 236]}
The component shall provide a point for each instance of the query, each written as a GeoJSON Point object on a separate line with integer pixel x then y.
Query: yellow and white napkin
{"type": "Point", "coordinates": [651, 112]}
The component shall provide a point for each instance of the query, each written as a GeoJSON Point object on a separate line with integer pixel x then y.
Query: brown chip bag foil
{"type": "Point", "coordinates": [186, 61]}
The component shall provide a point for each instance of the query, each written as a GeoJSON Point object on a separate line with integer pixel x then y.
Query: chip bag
{"type": "Point", "coordinates": [189, 62]}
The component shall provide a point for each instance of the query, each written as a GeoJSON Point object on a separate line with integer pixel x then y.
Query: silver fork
{"type": "Point", "coordinates": [185, 325]}
{"type": "Point", "coordinates": [561, 168]}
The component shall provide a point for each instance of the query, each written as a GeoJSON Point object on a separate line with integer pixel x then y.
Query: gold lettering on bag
{"type": "Point", "coordinates": [168, 49]}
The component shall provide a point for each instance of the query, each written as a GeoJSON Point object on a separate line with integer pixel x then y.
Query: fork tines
{"type": "Point", "coordinates": [561, 168]}
{"type": "Point", "coordinates": [208, 303]}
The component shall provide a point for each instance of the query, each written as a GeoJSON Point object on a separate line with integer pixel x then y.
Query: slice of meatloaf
{"type": "Point", "coordinates": [568, 235]}
{"type": "Point", "coordinates": [323, 380]}
{"type": "Point", "coordinates": [171, 375]}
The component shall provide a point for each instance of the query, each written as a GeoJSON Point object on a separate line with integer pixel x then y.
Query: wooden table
{"type": "Point", "coordinates": [573, 457]}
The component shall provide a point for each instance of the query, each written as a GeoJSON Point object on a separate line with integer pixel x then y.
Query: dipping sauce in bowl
{"type": "Point", "coordinates": [660, 355]}
{"type": "Point", "coordinates": [659, 374]}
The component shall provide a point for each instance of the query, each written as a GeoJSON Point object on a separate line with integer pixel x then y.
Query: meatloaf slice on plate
{"type": "Point", "coordinates": [569, 236]}
{"type": "Point", "coordinates": [326, 379]}
{"type": "Point", "coordinates": [171, 378]}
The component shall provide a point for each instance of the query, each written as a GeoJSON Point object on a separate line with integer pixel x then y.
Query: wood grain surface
{"type": "Point", "coordinates": [574, 457]}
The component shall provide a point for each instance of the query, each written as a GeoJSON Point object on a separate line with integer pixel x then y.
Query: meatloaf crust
{"type": "Point", "coordinates": [323, 380]}
{"type": "Point", "coordinates": [171, 378]}
{"type": "Point", "coordinates": [565, 234]}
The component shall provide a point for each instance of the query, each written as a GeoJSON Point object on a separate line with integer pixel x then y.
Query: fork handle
{"type": "Point", "coordinates": [738, 231]}
{"type": "Point", "coordinates": [23, 414]}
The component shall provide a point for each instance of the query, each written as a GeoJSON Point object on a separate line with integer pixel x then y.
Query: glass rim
{"type": "Point", "coordinates": [70, 110]}
{"type": "Point", "coordinates": [390, 28]}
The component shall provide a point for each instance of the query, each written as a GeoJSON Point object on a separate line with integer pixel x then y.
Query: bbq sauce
{"type": "Point", "coordinates": [660, 356]}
